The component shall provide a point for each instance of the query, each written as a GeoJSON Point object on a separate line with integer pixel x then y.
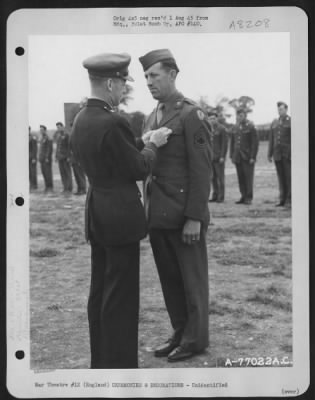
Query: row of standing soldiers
{"type": "Point", "coordinates": [63, 156]}
{"type": "Point", "coordinates": [243, 152]}
{"type": "Point", "coordinates": [244, 145]}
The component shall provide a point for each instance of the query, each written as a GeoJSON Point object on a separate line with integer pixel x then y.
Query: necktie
{"type": "Point", "coordinates": [159, 112]}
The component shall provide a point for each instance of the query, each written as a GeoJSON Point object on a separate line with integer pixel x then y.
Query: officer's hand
{"type": "Point", "coordinates": [160, 136]}
{"type": "Point", "coordinates": [251, 161]}
{"type": "Point", "coordinates": [191, 231]}
{"type": "Point", "coordinates": [270, 159]}
{"type": "Point", "coordinates": [221, 161]}
{"type": "Point", "coordinates": [146, 137]}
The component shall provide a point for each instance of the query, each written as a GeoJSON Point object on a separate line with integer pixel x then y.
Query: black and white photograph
{"type": "Point", "coordinates": [166, 200]}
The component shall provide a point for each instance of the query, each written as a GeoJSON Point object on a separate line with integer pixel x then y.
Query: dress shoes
{"type": "Point", "coordinates": [165, 349]}
{"type": "Point", "coordinates": [212, 200]}
{"type": "Point", "coordinates": [181, 353]}
{"type": "Point", "coordinates": [240, 201]}
{"type": "Point", "coordinates": [280, 204]}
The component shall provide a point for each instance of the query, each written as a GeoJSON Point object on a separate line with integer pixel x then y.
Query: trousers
{"type": "Point", "coordinates": [245, 175]}
{"type": "Point", "coordinates": [66, 175]}
{"type": "Point", "coordinates": [46, 169]}
{"type": "Point", "coordinates": [283, 168]}
{"type": "Point", "coordinates": [183, 272]}
{"type": "Point", "coordinates": [113, 306]}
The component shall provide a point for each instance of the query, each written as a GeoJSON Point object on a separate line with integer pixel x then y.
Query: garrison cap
{"type": "Point", "coordinates": [156, 56]}
{"type": "Point", "coordinates": [109, 65]}
{"type": "Point", "coordinates": [282, 103]}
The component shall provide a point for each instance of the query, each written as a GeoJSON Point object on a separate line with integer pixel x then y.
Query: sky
{"type": "Point", "coordinates": [211, 65]}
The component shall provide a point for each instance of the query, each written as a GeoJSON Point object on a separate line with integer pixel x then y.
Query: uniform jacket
{"type": "Point", "coordinates": [180, 184]}
{"type": "Point", "coordinates": [244, 142]}
{"type": "Point", "coordinates": [45, 149]}
{"type": "Point", "coordinates": [105, 147]}
{"type": "Point", "coordinates": [219, 142]}
{"type": "Point", "coordinates": [32, 148]}
{"type": "Point", "coordinates": [280, 139]}
{"type": "Point", "coordinates": [63, 147]}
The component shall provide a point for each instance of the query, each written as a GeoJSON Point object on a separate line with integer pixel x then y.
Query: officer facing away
{"type": "Point", "coordinates": [63, 157]}
{"type": "Point", "coordinates": [177, 205]}
{"type": "Point", "coordinates": [243, 152]}
{"type": "Point", "coordinates": [219, 141]}
{"type": "Point", "coordinates": [280, 150]}
{"type": "Point", "coordinates": [45, 158]}
{"type": "Point", "coordinates": [105, 147]}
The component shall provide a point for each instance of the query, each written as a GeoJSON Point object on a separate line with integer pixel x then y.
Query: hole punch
{"type": "Point", "coordinates": [19, 51]}
{"type": "Point", "coordinates": [20, 354]}
{"type": "Point", "coordinates": [19, 201]}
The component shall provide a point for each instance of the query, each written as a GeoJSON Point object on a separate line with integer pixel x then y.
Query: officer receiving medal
{"type": "Point", "coordinates": [177, 196]}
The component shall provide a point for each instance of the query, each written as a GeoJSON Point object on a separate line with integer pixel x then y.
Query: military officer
{"type": "Point", "coordinates": [63, 157]}
{"type": "Point", "coordinates": [105, 147]}
{"type": "Point", "coordinates": [177, 207]}
{"type": "Point", "coordinates": [45, 158]}
{"type": "Point", "coordinates": [243, 152]}
{"type": "Point", "coordinates": [219, 141]}
{"type": "Point", "coordinates": [280, 150]}
{"type": "Point", "coordinates": [32, 142]}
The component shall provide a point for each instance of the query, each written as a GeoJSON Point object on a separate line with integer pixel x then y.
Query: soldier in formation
{"type": "Point", "coordinates": [32, 141]}
{"type": "Point", "coordinates": [243, 152]}
{"type": "Point", "coordinates": [219, 144]}
{"type": "Point", "coordinates": [63, 156]}
{"type": "Point", "coordinates": [45, 158]}
{"type": "Point", "coordinates": [280, 151]}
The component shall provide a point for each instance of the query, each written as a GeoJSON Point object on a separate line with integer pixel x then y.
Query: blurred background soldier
{"type": "Point", "coordinates": [178, 211]}
{"type": "Point", "coordinates": [32, 159]}
{"type": "Point", "coordinates": [280, 150]}
{"type": "Point", "coordinates": [45, 158]}
{"type": "Point", "coordinates": [243, 152]}
{"type": "Point", "coordinates": [219, 144]}
{"type": "Point", "coordinates": [63, 157]}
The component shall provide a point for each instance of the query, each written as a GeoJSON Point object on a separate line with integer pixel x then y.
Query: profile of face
{"type": "Point", "coordinates": [282, 110]}
{"type": "Point", "coordinates": [117, 88]}
{"type": "Point", "coordinates": [160, 81]}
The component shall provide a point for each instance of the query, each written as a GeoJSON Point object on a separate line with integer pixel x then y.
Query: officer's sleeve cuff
{"type": "Point", "coordinates": [151, 146]}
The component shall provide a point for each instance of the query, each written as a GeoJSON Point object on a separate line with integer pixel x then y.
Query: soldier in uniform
{"type": "Point", "coordinates": [219, 141]}
{"type": "Point", "coordinates": [63, 157]}
{"type": "Point", "coordinates": [243, 152]}
{"type": "Point", "coordinates": [177, 207]}
{"type": "Point", "coordinates": [45, 158]}
{"type": "Point", "coordinates": [105, 147]}
{"type": "Point", "coordinates": [280, 150]}
{"type": "Point", "coordinates": [32, 142]}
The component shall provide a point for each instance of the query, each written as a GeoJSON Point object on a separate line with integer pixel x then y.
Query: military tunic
{"type": "Point", "coordinates": [179, 190]}
{"type": "Point", "coordinates": [33, 161]}
{"type": "Point", "coordinates": [45, 159]}
{"type": "Point", "coordinates": [105, 147]}
{"type": "Point", "coordinates": [243, 148]}
{"type": "Point", "coordinates": [280, 149]}
{"type": "Point", "coordinates": [219, 142]}
{"type": "Point", "coordinates": [63, 158]}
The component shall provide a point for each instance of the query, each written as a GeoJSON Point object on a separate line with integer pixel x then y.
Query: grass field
{"type": "Point", "coordinates": [249, 250]}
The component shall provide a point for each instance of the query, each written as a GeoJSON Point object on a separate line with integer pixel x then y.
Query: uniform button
{"type": "Point", "coordinates": [154, 178]}
{"type": "Point", "coordinates": [182, 190]}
